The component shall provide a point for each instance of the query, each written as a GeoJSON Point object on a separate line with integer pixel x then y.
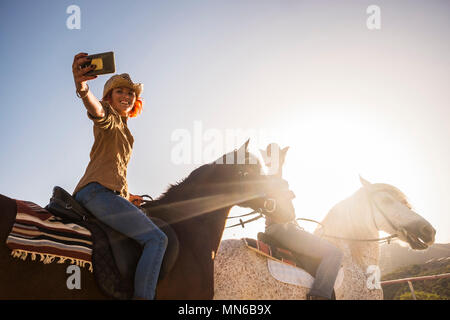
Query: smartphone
{"type": "Point", "coordinates": [104, 63]}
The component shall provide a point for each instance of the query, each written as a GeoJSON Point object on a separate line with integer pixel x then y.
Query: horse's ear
{"type": "Point", "coordinates": [364, 182]}
{"type": "Point", "coordinates": [264, 155]}
{"type": "Point", "coordinates": [245, 146]}
{"type": "Point", "coordinates": [283, 151]}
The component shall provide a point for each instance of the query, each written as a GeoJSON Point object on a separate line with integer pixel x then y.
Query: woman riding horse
{"type": "Point", "coordinates": [291, 236]}
{"type": "Point", "coordinates": [103, 189]}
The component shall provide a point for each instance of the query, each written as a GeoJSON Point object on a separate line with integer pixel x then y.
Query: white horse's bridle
{"type": "Point", "coordinates": [372, 204]}
{"type": "Point", "coordinates": [380, 210]}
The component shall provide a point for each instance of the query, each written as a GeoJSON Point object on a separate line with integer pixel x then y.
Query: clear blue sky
{"type": "Point", "coordinates": [308, 74]}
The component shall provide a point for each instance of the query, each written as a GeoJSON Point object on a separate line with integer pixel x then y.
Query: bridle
{"type": "Point", "coordinates": [269, 206]}
{"type": "Point", "coordinates": [266, 210]}
{"type": "Point", "coordinates": [380, 210]}
{"type": "Point", "coordinates": [373, 204]}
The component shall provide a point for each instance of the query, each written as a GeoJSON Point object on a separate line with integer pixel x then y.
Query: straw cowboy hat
{"type": "Point", "coordinates": [122, 80]}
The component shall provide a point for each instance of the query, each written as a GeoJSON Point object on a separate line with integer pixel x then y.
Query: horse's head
{"type": "Point", "coordinates": [240, 172]}
{"type": "Point", "coordinates": [393, 214]}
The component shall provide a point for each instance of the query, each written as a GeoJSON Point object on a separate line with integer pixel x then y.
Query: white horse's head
{"type": "Point", "coordinates": [392, 213]}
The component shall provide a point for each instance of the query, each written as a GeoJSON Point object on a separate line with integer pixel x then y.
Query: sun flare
{"type": "Point", "coordinates": [328, 151]}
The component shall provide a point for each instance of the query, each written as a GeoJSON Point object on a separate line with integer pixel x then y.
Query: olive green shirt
{"type": "Point", "coordinates": [110, 153]}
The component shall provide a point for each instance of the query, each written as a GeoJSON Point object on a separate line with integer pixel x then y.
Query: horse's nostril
{"type": "Point", "coordinates": [428, 233]}
{"type": "Point", "coordinates": [429, 230]}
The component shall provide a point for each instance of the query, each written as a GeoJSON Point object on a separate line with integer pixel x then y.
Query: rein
{"type": "Point", "coordinates": [385, 239]}
{"type": "Point", "coordinates": [381, 240]}
{"type": "Point", "coordinates": [242, 223]}
{"type": "Point", "coordinates": [269, 207]}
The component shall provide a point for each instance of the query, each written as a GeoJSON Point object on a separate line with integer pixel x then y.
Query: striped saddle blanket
{"type": "Point", "coordinates": [37, 233]}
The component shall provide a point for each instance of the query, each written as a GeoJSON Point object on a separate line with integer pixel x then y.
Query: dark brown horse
{"type": "Point", "coordinates": [196, 209]}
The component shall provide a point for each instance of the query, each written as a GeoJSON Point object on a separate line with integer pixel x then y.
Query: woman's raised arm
{"type": "Point", "coordinates": [79, 75]}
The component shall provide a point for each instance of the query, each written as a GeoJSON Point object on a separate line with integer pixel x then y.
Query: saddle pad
{"type": "Point", "coordinates": [37, 232]}
{"type": "Point", "coordinates": [286, 270]}
{"type": "Point", "coordinates": [281, 263]}
{"type": "Point", "coordinates": [289, 274]}
{"type": "Point", "coordinates": [297, 276]}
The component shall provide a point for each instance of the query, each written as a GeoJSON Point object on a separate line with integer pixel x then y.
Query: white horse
{"type": "Point", "coordinates": [353, 226]}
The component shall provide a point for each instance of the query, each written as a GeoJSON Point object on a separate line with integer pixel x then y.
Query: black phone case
{"type": "Point", "coordinates": [104, 61]}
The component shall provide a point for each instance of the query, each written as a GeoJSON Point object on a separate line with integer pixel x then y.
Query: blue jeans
{"type": "Point", "coordinates": [294, 238]}
{"type": "Point", "coordinates": [125, 217]}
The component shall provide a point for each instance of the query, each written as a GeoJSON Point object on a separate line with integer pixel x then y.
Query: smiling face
{"type": "Point", "coordinates": [122, 100]}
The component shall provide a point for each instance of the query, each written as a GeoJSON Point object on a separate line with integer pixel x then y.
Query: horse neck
{"type": "Point", "coordinates": [198, 210]}
{"type": "Point", "coordinates": [216, 227]}
{"type": "Point", "coordinates": [352, 219]}
{"type": "Point", "coordinates": [201, 234]}
{"type": "Point", "coordinates": [197, 217]}
{"type": "Point", "coordinates": [362, 254]}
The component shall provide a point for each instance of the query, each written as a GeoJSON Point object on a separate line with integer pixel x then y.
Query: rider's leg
{"type": "Point", "coordinates": [302, 242]}
{"type": "Point", "coordinates": [123, 216]}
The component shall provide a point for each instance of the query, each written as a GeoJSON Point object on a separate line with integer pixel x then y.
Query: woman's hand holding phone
{"type": "Point", "coordinates": [79, 73]}
{"type": "Point", "coordinates": [91, 103]}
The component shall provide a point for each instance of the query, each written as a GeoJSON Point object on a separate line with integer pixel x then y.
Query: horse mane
{"type": "Point", "coordinates": [178, 190]}
{"type": "Point", "coordinates": [393, 191]}
{"type": "Point", "coordinates": [202, 182]}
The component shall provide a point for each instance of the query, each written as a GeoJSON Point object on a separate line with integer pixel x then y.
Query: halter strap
{"type": "Point", "coordinates": [380, 210]}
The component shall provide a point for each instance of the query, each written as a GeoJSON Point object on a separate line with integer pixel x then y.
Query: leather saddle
{"type": "Point", "coordinates": [114, 255]}
{"type": "Point", "coordinates": [302, 261]}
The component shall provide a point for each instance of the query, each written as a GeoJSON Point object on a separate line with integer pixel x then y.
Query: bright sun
{"type": "Point", "coordinates": [328, 151]}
